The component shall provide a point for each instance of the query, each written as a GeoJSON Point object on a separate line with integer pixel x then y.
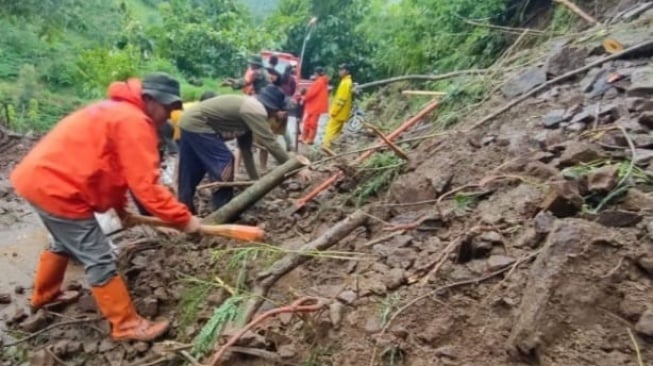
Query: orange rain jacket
{"type": "Point", "coordinates": [86, 163]}
{"type": "Point", "coordinates": [317, 96]}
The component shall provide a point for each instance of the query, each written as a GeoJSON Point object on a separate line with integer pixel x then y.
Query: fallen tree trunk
{"type": "Point", "coordinates": [256, 191]}
{"type": "Point", "coordinates": [448, 75]}
{"type": "Point", "coordinates": [291, 261]}
{"type": "Point", "coordinates": [560, 78]}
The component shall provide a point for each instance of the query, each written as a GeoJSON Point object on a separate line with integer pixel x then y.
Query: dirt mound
{"type": "Point", "coordinates": [525, 241]}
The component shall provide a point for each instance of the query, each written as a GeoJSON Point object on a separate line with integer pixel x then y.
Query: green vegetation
{"type": "Point", "coordinates": [59, 54]}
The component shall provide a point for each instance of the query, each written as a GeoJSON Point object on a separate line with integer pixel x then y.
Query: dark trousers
{"type": "Point", "coordinates": [200, 154]}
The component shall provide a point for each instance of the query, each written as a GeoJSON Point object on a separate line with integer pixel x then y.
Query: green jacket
{"type": "Point", "coordinates": [235, 116]}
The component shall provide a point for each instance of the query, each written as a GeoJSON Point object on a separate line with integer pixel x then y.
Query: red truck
{"type": "Point", "coordinates": [286, 59]}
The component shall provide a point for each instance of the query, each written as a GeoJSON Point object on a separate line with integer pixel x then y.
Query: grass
{"type": "Point", "coordinates": [380, 171]}
{"type": "Point", "coordinates": [595, 202]}
{"type": "Point", "coordinates": [465, 202]}
{"type": "Point", "coordinates": [228, 311]}
{"type": "Point", "coordinates": [388, 306]}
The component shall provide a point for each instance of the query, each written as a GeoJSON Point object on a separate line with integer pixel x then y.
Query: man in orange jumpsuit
{"type": "Point", "coordinates": [316, 102]}
{"type": "Point", "coordinates": [86, 164]}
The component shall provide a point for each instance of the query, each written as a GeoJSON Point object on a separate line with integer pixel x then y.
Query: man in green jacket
{"type": "Point", "coordinates": [206, 126]}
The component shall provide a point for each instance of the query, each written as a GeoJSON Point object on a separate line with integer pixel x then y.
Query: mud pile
{"type": "Point", "coordinates": [524, 241]}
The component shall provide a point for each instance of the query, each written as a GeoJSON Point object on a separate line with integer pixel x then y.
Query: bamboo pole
{"type": "Point", "coordinates": [226, 184]}
{"type": "Point", "coordinates": [256, 191]}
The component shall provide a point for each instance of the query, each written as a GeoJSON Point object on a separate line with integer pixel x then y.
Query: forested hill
{"type": "Point", "coordinates": [58, 54]}
{"type": "Point", "coordinates": [261, 9]}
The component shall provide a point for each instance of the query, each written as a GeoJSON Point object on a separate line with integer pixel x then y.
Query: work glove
{"type": "Point", "coordinates": [193, 225]}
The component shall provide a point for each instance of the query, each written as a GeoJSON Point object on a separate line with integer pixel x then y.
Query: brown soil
{"type": "Point", "coordinates": [573, 284]}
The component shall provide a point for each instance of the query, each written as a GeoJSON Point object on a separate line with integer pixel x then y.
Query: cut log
{"type": "Point", "coordinates": [400, 153]}
{"type": "Point", "coordinates": [423, 92]}
{"type": "Point", "coordinates": [226, 184]}
{"type": "Point", "coordinates": [292, 260]}
{"type": "Point", "coordinates": [257, 191]}
{"type": "Point", "coordinates": [619, 41]}
{"type": "Point", "coordinates": [578, 11]}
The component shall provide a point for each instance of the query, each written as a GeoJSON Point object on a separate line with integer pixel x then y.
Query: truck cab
{"type": "Point", "coordinates": [286, 59]}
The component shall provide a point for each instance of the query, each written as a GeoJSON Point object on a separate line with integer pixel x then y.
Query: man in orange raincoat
{"type": "Point", "coordinates": [316, 103]}
{"type": "Point", "coordinates": [86, 164]}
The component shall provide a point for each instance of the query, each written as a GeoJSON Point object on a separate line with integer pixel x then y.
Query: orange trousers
{"type": "Point", "coordinates": [309, 128]}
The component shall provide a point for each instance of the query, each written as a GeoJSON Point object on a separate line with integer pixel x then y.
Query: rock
{"type": "Point", "coordinates": [576, 127]}
{"type": "Point", "coordinates": [603, 179]}
{"type": "Point", "coordinates": [643, 156]}
{"type": "Point", "coordinates": [524, 82]}
{"type": "Point", "coordinates": [74, 347]}
{"type": "Point", "coordinates": [642, 140]}
{"type": "Point", "coordinates": [61, 348]}
{"type": "Point", "coordinates": [336, 311]}
{"type": "Point", "coordinates": [564, 59]}
{"type": "Point", "coordinates": [372, 325]}
{"type": "Point", "coordinates": [5, 298]}
{"type": "Point", "coordinates": [543, 222]}
{"type": "Point", "coordinates": [149, 307]}
{"type": "Point", "coordinates": [161, 294]}
{"type": "Point", "coordinates": [401, 258]}
{"type": "Point", "coordinates": [642, 82]}
{"type": "Point", "coordinates": [632, 125]}
{"type": "Point", "coordinates": [35, 322]}
{"type": "Point", "coordinates": [74, 286]}
{"type": "Point", "coordinates": [287, 351]}
{"type": "Point", "coordinates": [541, 170]}
{"type": "Point", "coordinates": [86, 304]}
{"type": "Point", "coordinates": [649, 229]}
{"type": "Point", "coordinates": [90, 346]}
{"type": "Point", "coordinates": [535, 319]}
{"type": "Point", "coordinates": [491, 237]}
{"type": "Point", "coordinates": [446, 351]}
{"type": "Point", "coordinates": [141, 347]}
{"type": "Point", "coordinates": [19, 316]}
{"type": "Point", "coordinates": [496, 262]}
{"type": "Point", "coordinates": [19, 290]}
{"type": "Point", "coordinates": [639, 104]}
{"type": "Point", "coordinates": [348, 297]}
{"type": "Point", "coordinates": [645, 324]}
{"type": "Point", "coordinates": [564, 200]}
{"type": "Point", "coordinates": [614, 218]}
{"type": "Point", "coordinates": [488, 139]}
{"type": "Point", "coordinates": [553, 118]}
{"type": "Point", "coordinates": [41, 358]}
{"type": "Point", "coordinates": [611, 93]}
{"type": "Point", "coordinates": [106, 345]}
{"type": "Point", "coordinates": [436, 330]}
{"type": "Point", "coordinates": [646, 264]}
{"type": "Point", "coordinates": [327, 291]}
{"type": "Point", "coordinates": [584, 117]}
{"type": "Point", "coordinates": [401, 241]}
{"type": "Point", "coordinates": [369, 286]}
{"type": "Point", "coordinates": [249, 339]}
{"type": "Point", "coordinates": [394, 279]}
{"type": "Point", "coordinates": [591, 77]}
{"type": "Point", "coordinates": [637, 200]}
{"type": "Point", "coordinates": [579, 152]}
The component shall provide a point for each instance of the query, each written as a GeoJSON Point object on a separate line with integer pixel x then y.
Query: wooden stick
{"type": "Point", "coordinates": [387, 141]}
{"type": "Point", "coordinates": [580, 12]}
{"type": "Point", "coordinates": [423, 92]}
{"type": "Point", "coordinates": [448, 75]}
{"type": "Point", "coordinates": [256, 191]}
{"type": "Point", "coordinates": [640, 361]}
{"type": "Point", "coordinates": [226, 184]}
{"type": "Point", "coordinates": [292, 260]}
{"type": "Point", "coordinates": [560, 78]}
{"type": "Point", "coordinates": [298, 306]}
{"type": "Point", "coordinates": [239, 232]}
{"type": "Point", "coordinates": [328, 151]}
{"type": "Point", "coordinates": [47, 329]}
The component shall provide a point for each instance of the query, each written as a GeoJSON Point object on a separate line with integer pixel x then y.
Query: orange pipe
{"type": "Point", "coordinates": [404, 126]}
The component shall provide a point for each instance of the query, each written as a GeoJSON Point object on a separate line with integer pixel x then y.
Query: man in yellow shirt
{"type": "Point", "coordinates": [340, 107]}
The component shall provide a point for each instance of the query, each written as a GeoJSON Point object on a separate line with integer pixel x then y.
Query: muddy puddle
{"type": "Point", "coordinates": [20, 245]}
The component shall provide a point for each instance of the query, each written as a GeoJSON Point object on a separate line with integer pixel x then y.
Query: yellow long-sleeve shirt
{"type": "Point", "coordinates": [175, 117]}
{"type": "Point", "coordinates": [342, 100]}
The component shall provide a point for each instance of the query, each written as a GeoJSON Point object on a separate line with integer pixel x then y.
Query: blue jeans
{"type": "Point", "coordinates": [200, 154]}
